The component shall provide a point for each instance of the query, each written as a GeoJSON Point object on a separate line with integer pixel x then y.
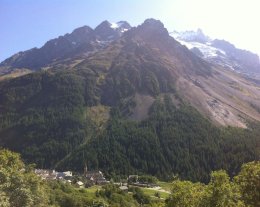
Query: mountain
{"type": "Point", "coordinates": [192, 36]}
{"type": "Point", "coordinates": [142, 103]}
{"type": "Point", "coordinates": [220, 52]}
{"type": "Point", "coordinates": [80, 43]}
{"type": "Point", "coordinates": [107, 31]}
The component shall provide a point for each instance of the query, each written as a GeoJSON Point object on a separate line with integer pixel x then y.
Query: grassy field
{"type": "Point", "coordinates": [93, 189]}
{"type": "Point", "coordinates": [164, 185]}
{"type": "Point", "coordinates": [90, 192]}
{"type": "Point", "coordinates": [152, 193]}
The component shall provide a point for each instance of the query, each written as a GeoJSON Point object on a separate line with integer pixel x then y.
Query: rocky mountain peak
{"type": "Point", "coordinates": [103, 26]}
{"type": "Point", "coordinates": [152, 29]}
{"type": "Point", "coordinates": [124, 24]}
{"type": "Point", "coordinates": [192, 36]}
{"type": "Point", "coordinates": [107, 31]}
{"type": "Point", "coordinates": [154, 24]}
{"type": "Point", "coordinates": [85, 30]}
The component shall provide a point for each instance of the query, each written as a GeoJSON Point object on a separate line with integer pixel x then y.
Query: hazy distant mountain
{"type": "Point", "coordinates": [220, 52]}
{"type": "Point", "coordinates": [192, 36]}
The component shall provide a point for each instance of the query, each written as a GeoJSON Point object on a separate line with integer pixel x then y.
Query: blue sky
{"type": "Point", "coordinates": [30, 23]}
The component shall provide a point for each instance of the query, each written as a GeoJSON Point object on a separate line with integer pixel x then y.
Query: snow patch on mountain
{"type": "Point", "coordinates": [207, 50]}
{"type": "Point", "coordinates": [120, 26]}
{"type": "Point", "coordinates": [198, 40]}
{"type": "Point", "coordinates": [114, 25]}
{"type": "Point", "coordinates": [219, 52]}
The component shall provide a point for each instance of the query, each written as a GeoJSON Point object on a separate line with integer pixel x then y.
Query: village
{"type": "Point", "coordinates": [91, 178]}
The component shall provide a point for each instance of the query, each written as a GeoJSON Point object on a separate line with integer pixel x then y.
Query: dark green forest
{"type": "Point", "coordinates": [43, 117]}
{"type": "Point", "coordinates": [170, 142]}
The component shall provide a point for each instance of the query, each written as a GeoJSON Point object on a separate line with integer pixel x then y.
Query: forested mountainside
{"type": "Point", "coordinates": [142, 104]}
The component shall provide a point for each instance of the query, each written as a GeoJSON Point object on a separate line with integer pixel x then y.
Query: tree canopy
{"type": "Point", "coordinates": [221, 191]}
{"type": "Point", "coordinates": [19, 185]}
